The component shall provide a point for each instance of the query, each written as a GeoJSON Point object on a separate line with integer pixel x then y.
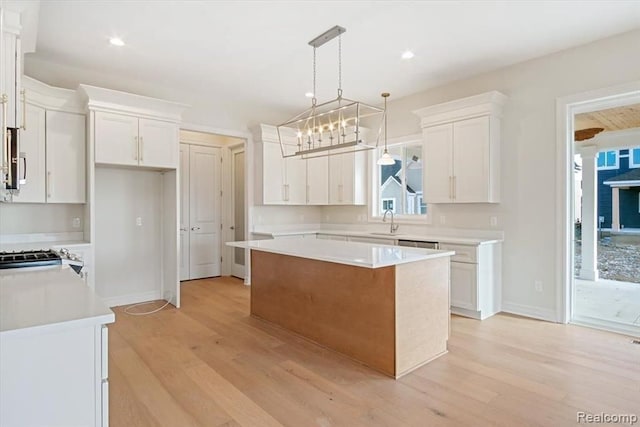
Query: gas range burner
{"type": "Point", "coordinates": [23, 259]}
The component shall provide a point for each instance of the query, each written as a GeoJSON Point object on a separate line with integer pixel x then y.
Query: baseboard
{"type": "Point", "coordinates": [466, 313]}
{"type": "Point", "coordinates": [133, 298]}
{"type": "Point", "coordinates": [530, 311]}
{"type": "Point", "coordinates": [606, 325]}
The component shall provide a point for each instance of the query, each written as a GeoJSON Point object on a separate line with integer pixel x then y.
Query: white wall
{"type": "Point", "coordinates": [127, 256]}
{"type": "Point", "coordinates": [24, 218]}
{"type": "Point", "coordinates": [528, 210]}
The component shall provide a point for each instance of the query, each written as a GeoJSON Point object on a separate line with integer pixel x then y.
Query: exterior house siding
{"type": "Point", "coordinates": [629, 202]}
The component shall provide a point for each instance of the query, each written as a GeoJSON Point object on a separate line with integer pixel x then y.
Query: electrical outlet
{"type": "Point", "coordinates": [301, 218]}
{"type": "Point", "coordinates": [443, 219]}
{"type": "Point", "coordinates": [494, 221]}
{"type": "Point", "coordinates": [538, 285]}
{"type": "Point", "coordinates": [75, 222]}
{"type": "Point", "coordinates": [326, 217]}
{"type": "Point", "coordinates": [139, 221]}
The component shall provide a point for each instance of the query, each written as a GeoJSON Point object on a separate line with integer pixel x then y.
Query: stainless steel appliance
{"type": "Point", "coordinates": [41, 258]}
{"type": "Point", "coordinates": [419, 244]}
{"type": "Point", "coordinates": [12, 176]}
{"type": "Point", "coordinates": [29, 259]}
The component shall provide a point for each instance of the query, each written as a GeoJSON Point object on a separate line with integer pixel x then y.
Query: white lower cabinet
{"type": "Point", "coordinates": [475, 279]}
{"type": "Point", "coordinates": [56, 378]}
{"type": "Point", "coordinates": [200, 212]}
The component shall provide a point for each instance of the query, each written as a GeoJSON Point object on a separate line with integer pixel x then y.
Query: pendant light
{"type": "Point", "coordinates": [332, 127]}
{"type": "Point", "coordinates": [386, 158]}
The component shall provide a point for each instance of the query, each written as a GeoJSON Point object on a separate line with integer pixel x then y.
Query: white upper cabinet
{"type": "Point", "coordinates": [347, 179]}
{"type": "Point", "coordinates": [52, 146]}
{"type": "Point", "coordinates": [129, 141]}
{"type": "Point", "coordinates": [462, 149]}
{"type": "Point", "coordinates": [318, 181]}
{"type": "Point", "coordinates": [336, 179]}
{"type": "Point", "coordinates": [158, 143]}
{"type": "Point", "coordinates": [132, 130]}
{"type": "Point", "coordinates": [32, 144]}
{"type": "Point", "coordinates": [66, 157]}
{"type": "Point", "coordinates": [116, 137]}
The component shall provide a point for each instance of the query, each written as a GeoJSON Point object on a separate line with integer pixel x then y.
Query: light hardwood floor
{"type": "Point", "coordinates": [210, 364]}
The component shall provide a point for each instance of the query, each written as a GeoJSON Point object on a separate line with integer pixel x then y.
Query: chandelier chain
{"type": "Point", "coordinates": [339, 65]}
{"type": "Point", "coordinates": [314, 100]}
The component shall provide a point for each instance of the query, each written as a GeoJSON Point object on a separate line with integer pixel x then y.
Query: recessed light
{"type": "Point", "coordinates": [116, 41]}
{"type": "Point", "coordinates": [309, 94]}
{"type": "Point", "coordinates": [407, 54]}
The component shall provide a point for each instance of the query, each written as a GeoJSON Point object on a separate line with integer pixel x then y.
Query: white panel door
{"type": "Point", "coordinates": [184, 212]}
{"type": "Point", "coordinates": [438, 171]}
{"type": "Point", "coordinates": [471, 159]}
{"type": "Point", "coordinates": [158, 142]}
{"type": "Point", "coordinates": [116, 139]}
{"type": "Point", "coordinates": [66, 159]}
{"type": "Point", "coordinates": [32, 144]}
{"type": "Point", "coordinates": [318, 181]}
{"type": "Point", "coordinates": [204, 212]}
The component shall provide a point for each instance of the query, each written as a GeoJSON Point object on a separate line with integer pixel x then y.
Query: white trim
{"type": "Point", "coordinates": [488, 103]}
{"type": "Point", "coordinates": [216, 131]}
{"type": "Point", "coordinates": [566, 108]}
{"type": "Point", "coordinates": [541, 313]}
{"type": "Point", "coordinates": [52, 98]}
{"type": "Point", "coordinates": [133, 298]}
{"type": "Point", "coordinates": [629, 183]}
{"type": "Point", "coordinates": [606, 325]}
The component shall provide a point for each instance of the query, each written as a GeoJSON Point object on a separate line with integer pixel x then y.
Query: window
{"type": "Point", "coordinates": [399, 186]}
{"type": "Point", "coordinates": [634, 158]}
{"type": "Point", "coordinates": [389, 204]}
{"type": "Point", "coordinates": [608, 160]}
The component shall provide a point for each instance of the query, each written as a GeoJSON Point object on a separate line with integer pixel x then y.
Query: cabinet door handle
{"type": "Point", "coordinates": [135, 148]}
{"type": "Point", "coordinates": [5, 143]}
{"type": "Point", "coordinates": [455, 183]}
{"type": "Point", "coordinates": [308, 191]}
{"type": "Point", "coordinates": [23, 92]}
{"type": "Point", "coordinates": [141, 149]}
{"type": "Point", "coordinates": [450, 187]}
{"type": "Point", "coordinates": [23, 156]}
{"type": "Point", "coordinates": [195, 228]}
{"type": "Point", "coordinates": [49, 184]}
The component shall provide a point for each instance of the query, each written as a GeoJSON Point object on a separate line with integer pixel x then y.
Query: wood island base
{"type": "Point", "coordinates": [393, 319]}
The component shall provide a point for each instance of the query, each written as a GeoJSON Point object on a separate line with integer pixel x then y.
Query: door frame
{"type": "Point", "coordinates": [566, 108]}
{"type": "Point", "coordinates": [236, 269]}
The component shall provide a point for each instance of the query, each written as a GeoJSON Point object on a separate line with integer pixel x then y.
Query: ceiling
{"type": "Point", "coordinates": [618, 118]}
{"type": "Point", "coordinates": [240, 62]}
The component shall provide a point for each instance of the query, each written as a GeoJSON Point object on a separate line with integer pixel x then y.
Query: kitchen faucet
{"type": "Point", "coordinates": [394, 227]}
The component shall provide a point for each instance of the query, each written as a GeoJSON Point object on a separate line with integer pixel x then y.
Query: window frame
{"type": "Point", "coordinates": [632, 164]}
{"type": "Point", "coordinates": [374, 178]}
{"type": "Point", "coordinates": [616, 164]}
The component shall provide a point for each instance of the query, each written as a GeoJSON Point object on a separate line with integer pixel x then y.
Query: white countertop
{"type": "Point", "coordinates": [369, 255]}
{"type": "Point", "coordinates": [51, 298]}
{"type": "Point", "coordinates": [396, 236]}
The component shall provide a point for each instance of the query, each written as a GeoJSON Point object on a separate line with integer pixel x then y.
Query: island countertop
{"type": "Point", "coordinates": [369, 255]}
{"type": "Point", "coordinates": [49, 299]}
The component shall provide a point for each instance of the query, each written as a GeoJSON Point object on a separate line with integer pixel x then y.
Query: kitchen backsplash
{"type": "Point", "coordinates": [27, 218]}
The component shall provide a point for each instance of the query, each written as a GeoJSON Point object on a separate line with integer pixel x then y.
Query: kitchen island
{"type": "Point", "coordinates": [53, 349]}
{"type": "Point", "coordinates": [384, 306]}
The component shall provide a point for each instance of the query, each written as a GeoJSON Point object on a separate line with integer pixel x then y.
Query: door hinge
{"type": "Point", "coordinates": [220, 159]}
{"type": "Point", "coordinates": [220, 226]}
{"type": "Point", "coordinates": [220, 259]}
{"type": "Point", "coordinates": [221, 194]}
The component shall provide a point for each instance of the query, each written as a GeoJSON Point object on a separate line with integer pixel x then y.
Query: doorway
{"type": "Point", "coordinates": [588, 296]}
{"type": "Point", "coordinates": [238, 191]}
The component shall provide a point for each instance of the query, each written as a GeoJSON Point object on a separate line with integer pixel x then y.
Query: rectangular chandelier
{"type": "Point", "coordinates": [333, 127]}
